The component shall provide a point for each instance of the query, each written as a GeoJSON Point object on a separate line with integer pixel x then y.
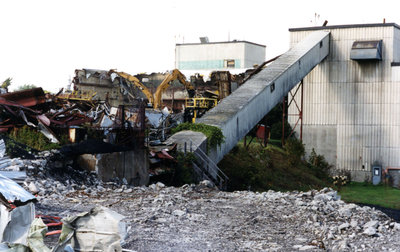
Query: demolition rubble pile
{"type": "Point", "coordinates": [49, 176]}
{"type": "Point", "coordinates": [22, 228]}
{"type": "Point", "coordinates": [59, 116]}
{"type": "Point", "coordinates": [201, 218]}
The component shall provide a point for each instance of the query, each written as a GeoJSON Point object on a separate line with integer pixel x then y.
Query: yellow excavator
{"type": "Point", "coordinates": [174, 75]}
{"type": "Point", "coordinates": [135, 81]}
{"type": "Point", "coordinates": [195, 106]}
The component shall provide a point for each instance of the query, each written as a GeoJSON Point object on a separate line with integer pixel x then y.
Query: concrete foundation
{"type": "Point", "coordinates": [87, 162]}
{"type": "Point", "coordinates": [192, 139]}
{"type": "Point", "coordinates": [361, 176]}
{"type": "Point", "coordinates": [131, 165]}
{"type": "Point", "coordinates": [322, 140]}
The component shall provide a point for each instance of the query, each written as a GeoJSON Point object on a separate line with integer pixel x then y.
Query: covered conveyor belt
{"type": "Point", "coordinates": [237, 114]}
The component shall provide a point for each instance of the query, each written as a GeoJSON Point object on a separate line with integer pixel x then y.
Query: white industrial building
{"type": "Point", "coordinates": [227, 55]}
{"type": "Point", "coordinates": [351, 101]}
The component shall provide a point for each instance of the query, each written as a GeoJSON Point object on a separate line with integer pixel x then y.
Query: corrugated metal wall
{"type": "Point", "coordinates": [357, 104]}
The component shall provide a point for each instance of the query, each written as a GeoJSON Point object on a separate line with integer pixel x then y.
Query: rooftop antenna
{"type": "Point", "coordinates": [316, 19]}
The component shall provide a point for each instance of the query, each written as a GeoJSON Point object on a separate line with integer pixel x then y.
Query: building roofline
{"type": "Point", "coordinates": [312, 28]}
{"type": "Point", "coordinates": [222, 42]}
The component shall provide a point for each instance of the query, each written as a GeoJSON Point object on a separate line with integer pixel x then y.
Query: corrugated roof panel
{"type": "Point", "coordinates": [13, 192]}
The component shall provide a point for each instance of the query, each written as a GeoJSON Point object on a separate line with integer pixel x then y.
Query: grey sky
{"type": "Point", "coordinates": [44, 41]}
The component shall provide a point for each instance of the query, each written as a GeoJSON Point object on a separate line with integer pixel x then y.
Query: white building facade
{"type": "Point", "coordinates": [218, 55]}
{"type": "Point", "coordinates": [351, 101]}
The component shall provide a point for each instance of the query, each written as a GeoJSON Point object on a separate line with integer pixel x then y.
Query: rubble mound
{"type": "Point", "coordinates": [202, 218]}
{"type": "Point", "coordinates": [54, 173]}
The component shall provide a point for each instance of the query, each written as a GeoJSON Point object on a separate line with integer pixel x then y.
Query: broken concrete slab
{"type": "Point", "coordinates": [131, 165]}
{"type": "Point", "coordinates": [188, 137]}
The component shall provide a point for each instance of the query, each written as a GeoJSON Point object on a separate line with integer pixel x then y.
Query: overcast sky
{"type": "Point", "coordinates": [44, 41]}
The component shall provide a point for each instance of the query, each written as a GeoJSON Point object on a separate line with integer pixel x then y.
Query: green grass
{"type": "Point", "coordinates": [380, 195]}
{"type": "Point", "coordinates": [31, 138]}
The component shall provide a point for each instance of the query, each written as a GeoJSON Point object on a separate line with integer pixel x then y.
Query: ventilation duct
{"type": "Point", "coordinates": [366, 50]}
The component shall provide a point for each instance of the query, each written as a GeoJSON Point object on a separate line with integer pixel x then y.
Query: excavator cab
{"type": "Point", "coordinates": [197, 106]}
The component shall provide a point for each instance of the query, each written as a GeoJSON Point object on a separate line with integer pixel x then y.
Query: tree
{"type": "Point", "coordinates": [6, 83]}
{"type": "Point", "coordinates": [26, 86]}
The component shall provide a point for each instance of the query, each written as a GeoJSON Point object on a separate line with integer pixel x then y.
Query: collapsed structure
{"type": "Point", "coordinates": [83, 121]}
{"type": "Point", "coordinates": [112, 121]}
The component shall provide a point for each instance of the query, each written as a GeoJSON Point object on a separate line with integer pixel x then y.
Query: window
{"type": "Point", "coordinates": [229, 63]}
{"type": "Point", "coordinates": [272, 87]}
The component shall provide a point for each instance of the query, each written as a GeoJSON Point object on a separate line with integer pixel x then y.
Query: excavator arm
{"type": "Point", "coordinates": [135, 81]}
{"type": "Point", "coordinates": [175, 75]}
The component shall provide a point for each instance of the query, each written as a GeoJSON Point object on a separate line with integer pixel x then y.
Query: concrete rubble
{"type": "Point", "coordinates": [99, 229]}
{"type": "Point", "coordinates": [202, 218]}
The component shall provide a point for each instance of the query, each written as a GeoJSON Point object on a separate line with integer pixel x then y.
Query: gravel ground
{"type": "Point", "coordinates": [392, 213]}
{"type": "Point", "coordinates": [201, 218]}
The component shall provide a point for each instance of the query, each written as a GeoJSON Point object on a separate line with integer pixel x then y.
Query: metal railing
{"type": "Point", "coordinates": [208, 168]}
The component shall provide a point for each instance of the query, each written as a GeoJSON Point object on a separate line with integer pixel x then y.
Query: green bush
{"type": "Point", "coordinates": [32, 138]}
{"type": "Point", "coordinates": [248, 169]}
{"type": "Point", "coordinates": [319, 164]}
{"type": "Point", "coordinates": [276, 130]}
{"type": "Point", "coordinates": [214, 134]}
{"type": "Point", "coordinates": [260, 169]}
{"type": "Point", "coordinates": [183, 170]}
{"type": "Point", "coordinates": [294, 149]}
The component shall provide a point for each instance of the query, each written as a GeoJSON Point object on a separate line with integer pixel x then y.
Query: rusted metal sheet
{"type": "Point", "coordinates": [27, 98]}
{"type": "Point", "coordinates": [7, 104]}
